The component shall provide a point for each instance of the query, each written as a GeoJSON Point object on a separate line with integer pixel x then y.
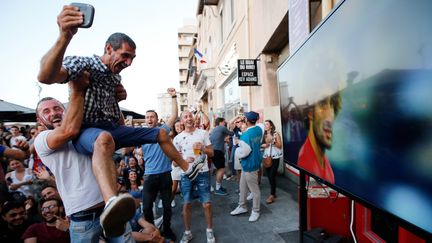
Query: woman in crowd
{"type": "Point", "coordinates": [20, 178]}
{"type": "Point", "coordinates": [133, 165]}
{"type": "Point", "coordinates": [273, 148]}
{"type": "Point", "coordinates": [176, 171]}
{"type": "Point", "coordinates": [236, 127]}
{"type": "Point", "coordinates": [133, 183]}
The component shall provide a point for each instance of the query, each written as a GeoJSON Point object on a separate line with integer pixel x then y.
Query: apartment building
{"type": "Point", "coordinates": [229, 30]}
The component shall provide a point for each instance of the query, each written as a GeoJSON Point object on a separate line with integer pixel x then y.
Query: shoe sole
{"type": "Point", "coordinates": [193, 175]}
{"type": "Point", "coordinates": [116, 215]}
{"type": "Point", "coordinates": [238, 213]}
{"type": "Point", "coordinates": [221, 194]}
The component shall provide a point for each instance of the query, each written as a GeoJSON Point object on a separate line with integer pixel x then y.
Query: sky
{"type": "Point", "coordinates": [29, 29]}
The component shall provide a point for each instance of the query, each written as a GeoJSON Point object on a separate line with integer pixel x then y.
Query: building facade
{"type": "Point", "coordinates": [229, 30]}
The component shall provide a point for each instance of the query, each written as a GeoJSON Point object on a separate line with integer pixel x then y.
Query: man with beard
{"type": "Point", "coordinates": [103, 123]}
{"type": "Point", "coordinates": [192, 142]}
{"type": "Point", "coordinates": [13, 214]}
{"type": "Point", "coordinates": [53, 229]}
{"type": "Point", "coordinates": [75, 172]}
{"type": "Point", "coordinates": [312, 154]}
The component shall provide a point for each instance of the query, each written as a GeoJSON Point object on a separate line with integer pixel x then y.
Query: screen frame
{"type": "Point", "coordinates": [364, 202]}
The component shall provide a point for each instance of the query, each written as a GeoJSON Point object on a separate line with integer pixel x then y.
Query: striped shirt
{"type": "Point", "coordinates": [100, 104]}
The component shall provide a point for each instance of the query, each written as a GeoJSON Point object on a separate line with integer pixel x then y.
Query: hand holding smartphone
{"type": "Point", "coordinates": [88, 11]}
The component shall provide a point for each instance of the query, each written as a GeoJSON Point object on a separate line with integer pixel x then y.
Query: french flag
{"type": "Point", "coordinates": [199, 56]}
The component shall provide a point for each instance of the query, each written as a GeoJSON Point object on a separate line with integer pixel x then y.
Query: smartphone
{"type": "Point", "coordinates": [88, 11]}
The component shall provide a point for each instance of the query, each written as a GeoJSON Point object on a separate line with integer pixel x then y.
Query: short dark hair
{"type": "Point", "coordinates": [117, 39]}
{"type": "Point", "coordinates": [46, 99]}
{"type": "Point", "coordinates": [46, 186]}
{"type": "Point", "coordinates": [219, 120]}
{"type": "Point", "coordinates": [9, 205]}
{"type": "Point", "coordinates": [157, 117]}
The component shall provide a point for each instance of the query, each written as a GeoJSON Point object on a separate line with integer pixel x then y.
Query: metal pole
{"type": "Point", "coordinates": [302, 205]}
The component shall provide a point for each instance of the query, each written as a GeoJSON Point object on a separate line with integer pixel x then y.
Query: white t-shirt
{"type": "Point", "coordinates": [14, 140]}
{"type": "Point", "coordinates": [184, 141]}
{"type": "Point", "coordinates": [26, 189]}
{"type": "Point", "coordinates": [73, 173]}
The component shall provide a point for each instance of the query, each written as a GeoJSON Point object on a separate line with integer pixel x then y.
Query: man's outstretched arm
{"type": "Point", "coordinates": [21, 153]}
{"type": "Point", "coordinates": [51, 70]}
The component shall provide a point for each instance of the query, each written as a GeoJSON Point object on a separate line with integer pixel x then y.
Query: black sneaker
{"type": "Point", "coordinates": [192, 173]}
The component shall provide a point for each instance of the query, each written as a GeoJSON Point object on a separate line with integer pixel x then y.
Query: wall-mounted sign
{"type": "Point", "coordinates": [247, 72]}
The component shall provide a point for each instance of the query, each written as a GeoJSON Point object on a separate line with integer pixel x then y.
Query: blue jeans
{"type": "Point", "coordinates": [202, 182]}
{"type": "Point", "coordinates": [123, 136]}
{"type": "Point", "coordinates": [91, 230]}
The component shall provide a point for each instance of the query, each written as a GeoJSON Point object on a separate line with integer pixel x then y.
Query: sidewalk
{"type": "Point", "coordinates": [278, 221]}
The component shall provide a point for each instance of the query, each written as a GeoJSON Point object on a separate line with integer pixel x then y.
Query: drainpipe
{"type": "Point", "coordinates": [248, 50]}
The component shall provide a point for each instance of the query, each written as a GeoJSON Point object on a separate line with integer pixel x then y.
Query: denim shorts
{"type": "Point", "coordinates": [123, 136]}
{"type": "Point", "coordinates": [201, 185]}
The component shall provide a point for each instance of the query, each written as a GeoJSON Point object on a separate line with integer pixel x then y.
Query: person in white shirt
{"type": "Point", "coordinates": [191, 143]}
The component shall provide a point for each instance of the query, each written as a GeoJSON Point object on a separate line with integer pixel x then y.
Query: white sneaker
{"type": "Point", "coordinates": [212, 189]}
{"type": "Point", "coordinates": [186, 238]}
{"type": "Point", "coordinates": [117, 212]}
{"type": "Point", "coordinates": [173, 204]}
{"type": "Point", "coordinates": [254, 216]}
{"type": "Point", "coordinates": [160, 204]}
{"type": "Point", "coordinates": [210, 237]}
{"type": "Point", "coordinates": [239, 210]}
{"type": "Point", "coordinates": [249, 196]}
{"type": "Point", "coordinates": [158, 222]}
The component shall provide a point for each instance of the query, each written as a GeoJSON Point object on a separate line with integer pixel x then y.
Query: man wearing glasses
{"type": "Point", "coordinates": [53, 229]}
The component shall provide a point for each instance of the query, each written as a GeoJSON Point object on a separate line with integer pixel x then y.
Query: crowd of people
{"type": "Point", "coordinates": [34, 210]}
{"type": "Point", "coordinates": [82, 175]}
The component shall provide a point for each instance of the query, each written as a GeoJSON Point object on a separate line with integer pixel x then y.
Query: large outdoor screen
{"type": "Point", "coordinates": [356, 105]}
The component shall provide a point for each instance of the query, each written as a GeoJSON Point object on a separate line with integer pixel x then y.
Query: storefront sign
{"type": "Point", "coordinates": [247, 72]}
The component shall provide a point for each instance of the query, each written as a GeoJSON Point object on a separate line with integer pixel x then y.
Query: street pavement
{"type": "Point", "coordinates": [278, 221]}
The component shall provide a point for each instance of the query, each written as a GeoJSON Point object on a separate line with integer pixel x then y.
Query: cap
{"type": "Point", "coordinates": [252, 116]}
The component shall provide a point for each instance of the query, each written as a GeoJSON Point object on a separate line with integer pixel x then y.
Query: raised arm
{"type": "Point", "coordinates": [174, 107]}
{"type": "Point", "coordinates": [51, 70]}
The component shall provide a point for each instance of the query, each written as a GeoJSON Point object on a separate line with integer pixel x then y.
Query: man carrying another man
{"type": "Point", "coordinates": [104, 129]}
